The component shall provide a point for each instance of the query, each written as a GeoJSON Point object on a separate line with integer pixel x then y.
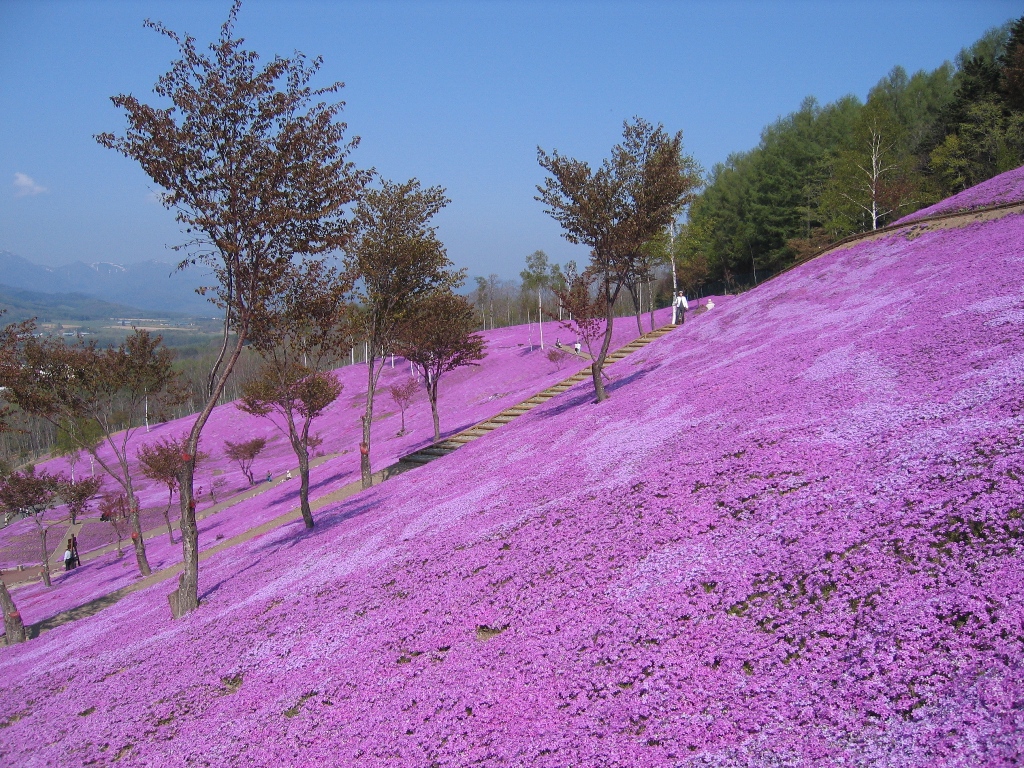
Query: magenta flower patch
{"type": "Point", "coordinates": [790, 538]}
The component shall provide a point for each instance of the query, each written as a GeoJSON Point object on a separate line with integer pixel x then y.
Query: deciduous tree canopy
{"type": "Point", "coordinates": [256, 167]}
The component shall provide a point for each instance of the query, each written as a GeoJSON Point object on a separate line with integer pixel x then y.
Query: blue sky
{"type": "Point", "coordinates": [457, 94]}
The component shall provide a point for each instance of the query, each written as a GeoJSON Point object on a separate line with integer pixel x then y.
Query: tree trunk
{"type": "Point", "coordinates": [365, 471]}
{"type": "Point", "coordinates": [167, 516]}
{"type": "Point", "coordinates": [186, 597]}
{"type": "Point", "coordinates": [14, 628]}
{"type": "Point", "coordinates": [46, 556]}
{"type": "Point", "coordinates": [432, 396]}
{"type": "Point", "coordinates": [635, 296]}
{"type": "Point", "coordinates": [650, 301]}
{"type": "Point", "coordinates": [137, 543]}
{"type": "Point", "coordinates": [307, 513]}
{"type": "Point", "coordinates": [299, 445]}
{"type": "Point", "coordinates": [597, 366]}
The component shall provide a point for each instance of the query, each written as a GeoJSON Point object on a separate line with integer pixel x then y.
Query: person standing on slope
{"type": "Point", "coordinates": [679, 307]}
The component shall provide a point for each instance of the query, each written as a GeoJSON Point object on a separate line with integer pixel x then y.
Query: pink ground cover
{"type": "Point", "coordinates": [1005, 188]}
{"type": "Point", "coordinates": [790, 538]}
{"type": "Point", "coordinates": [510, 373]}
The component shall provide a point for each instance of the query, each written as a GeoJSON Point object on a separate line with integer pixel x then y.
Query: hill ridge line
{"type": "Point", "coordinates": [888, 229]}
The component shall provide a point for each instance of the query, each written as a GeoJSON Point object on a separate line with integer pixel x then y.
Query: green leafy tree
{"type": "Point", "coordinates": [437, 337]}
{"type": "Point", "coordinates": [980, 133]}
{"type": "Point", "coordinates": [692, 255]}
{"type": "Point", "coordinates": [256, 168]}
{"type": "Point", "coordinates": [399, 260]}
{"type": "Point", "coordinates": [873, 177]}
{"type": "Point", "coordinates": [71, 436]}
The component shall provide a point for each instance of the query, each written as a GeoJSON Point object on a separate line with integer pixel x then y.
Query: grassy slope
{"type": "Point", "coordinates": [790, 538]}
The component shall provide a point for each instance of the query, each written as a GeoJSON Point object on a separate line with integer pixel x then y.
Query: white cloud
{"type": "Point", "coordinates": [25, 185]}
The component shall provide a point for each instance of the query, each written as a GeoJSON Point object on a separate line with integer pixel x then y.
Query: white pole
{"type": "Point", "coordinates": [147, 412]}
{"type": "Point", "coordinates": [672, 257]}
{"type": "Point", "coordinates": [540, 317]}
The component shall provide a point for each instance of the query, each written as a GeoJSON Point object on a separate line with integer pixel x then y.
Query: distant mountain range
{"type": "Point", "coordinates": [20, 305]}
{"type": "Point", "coordinates": [142, 287]}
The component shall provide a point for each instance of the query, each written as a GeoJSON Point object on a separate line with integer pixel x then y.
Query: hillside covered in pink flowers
{"type": "Point", "coordinates": [790, 538]}
{"type": "Point", "coordinates": [514, 369]}
{"type": "Point", "coordinates": [1007, 187]}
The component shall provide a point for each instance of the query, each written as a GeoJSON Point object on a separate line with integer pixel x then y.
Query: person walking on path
{"type": "Point", "coordinates": [67, 558]}
{"type": "Point", "coordinates": [679, 307]}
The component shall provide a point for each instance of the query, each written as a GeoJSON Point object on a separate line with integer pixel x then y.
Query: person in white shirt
{"type": "Point", "coordinates": [679, 307]}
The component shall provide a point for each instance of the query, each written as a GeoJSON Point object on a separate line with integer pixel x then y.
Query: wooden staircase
{"type": "Point", "coordinates": [456, 441]}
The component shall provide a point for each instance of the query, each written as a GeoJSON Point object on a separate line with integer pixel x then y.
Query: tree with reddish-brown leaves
{"type": "Point", "coordinates": [403, 394]}
{"type": "Point", "coordinates": [76, 495]}
{"type": "Point", "coordinates": [162, 462]}
{"type": "Point", "coordinates": [307, 325]}
{"type": "Point", "coordinates": [585, 308]}
{"type": "Point", "coordinates": [88, 392]}
{"type": "Point", "coordinates": [398, 259]}
{"type": "Point", "coordinates": [114, 509]}
{"type": "Point", "coordinates": [437, 337]}
{"type": "Point", "coordinates": [244, 453]}
{"type": "Point", "coordinates": [256, 168]}
{"type": "Point", "coordinates": [619, 207]}
{"type": "Point", "coordinates": [557, 357]}
{"type": "Point", "coordinates": [32, 493]}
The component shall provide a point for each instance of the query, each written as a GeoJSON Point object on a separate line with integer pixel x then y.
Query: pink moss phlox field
{"type": "Point", "coordinates": [790, 538]}
{"type": "Point", "coordinates": [1007, 187]}
{"type": "Point", "coordinates": [511, 372]}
